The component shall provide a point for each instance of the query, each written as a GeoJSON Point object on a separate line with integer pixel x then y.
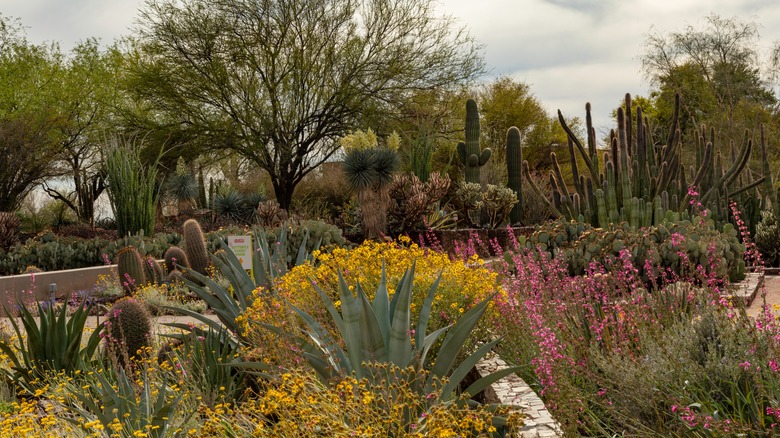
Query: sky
{"type": "Point", "coordinates": [569, 51]}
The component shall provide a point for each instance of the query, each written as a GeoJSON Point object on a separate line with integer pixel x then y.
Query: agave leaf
{"type": "Point", "coordinates": [325, 341]}
{"type": "Point", "coordinates": [400, 346]}
{"type": "Point", "coordinates": [484, 382]}
{"type": "Point", "coordinates": [334, 313]}
{"type": "Point", "coordinates": [425, 312]}
{"type": "Point", "coordinates": [428, 343]}
{"type": "Point", "coordinates": [372, 340]}
{"type": "Point", "coordinates": [461, 371]}
{"type": "Point", "coordinates": [398, 287]}
{"type": "Point", "coordinates": [350, 314]}
{"type": "Point", "coordinates": [216, 325]}
{"type": "Point", "coordinates": [213, 296]}
{"type": "Point", "coordinates": [456, 337]}
{"type": "Point", "coordinates": [381, 306]}
{"type": "Point", "coordinates": [302, 253]}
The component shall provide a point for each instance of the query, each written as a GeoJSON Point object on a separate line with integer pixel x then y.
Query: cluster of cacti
{"type": "Point", "coordinates": [471, 155]}
{"type": "Point", "coordinates": [131, 270]}
{"type": "Point", "coordinates": [154, 272]}
{"type": "Point", "coordinates": [514, 167]}
{"type": "Point", "coordinates": [484, 208]}
{"type": "Point", "coordinates": [641, 180]}
{"type": "Point", "coordinates": [412, 200]}
{"type": "Point", "coordinates": [195, 247]}
{"type": "Point", "coordinates": [767, 238]}
{"type": "Point", "coordinates": [659, 246]}
{"type": "Point", "coordinates": [270, 214]}
{"type": "Point", "coordinates": [9, 224]}
{"type": "Point", "coordinates": [128, 331]}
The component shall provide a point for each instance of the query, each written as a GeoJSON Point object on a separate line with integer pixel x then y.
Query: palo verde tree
{"type": "Point", "coordinates": [279, 81]}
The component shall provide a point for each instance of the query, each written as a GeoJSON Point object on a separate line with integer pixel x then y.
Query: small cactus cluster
{"type": "Point", "coordinates": [135, 271]}
{"type": "Point", "coordinates": [128, 331]}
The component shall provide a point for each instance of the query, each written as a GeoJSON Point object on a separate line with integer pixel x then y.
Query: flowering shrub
{"type": "Point", "coordinates": [611, 354]}
{"type": "Point", "coordinates": [462, 284]}
{"type": "Point", "coordinates": [352, 407]}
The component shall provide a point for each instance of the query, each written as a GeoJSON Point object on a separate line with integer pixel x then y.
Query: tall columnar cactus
{"type": "Point", "coordinates": [129, 327]}
{"type": "Point", "coordinates": [195, 246]}
{"type": "Point", "coordinates": [514, 163]}
{"type": "Point", "coordinates": [469, 152]}
{"type": "Point", "coordinates": [643, 182]}
{"type": "Point", "coordinates": [175, 256]}
{"type": "Point", "coordinates": [130, 267]}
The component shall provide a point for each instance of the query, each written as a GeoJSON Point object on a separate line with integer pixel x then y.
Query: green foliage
{"type": "Point", "coordinates": [132, 187]}
{"type": "Point", "coordinates": [194, 243]}
{"type": "Point", "coordinates": [471, 155]}
{"type": "Point", "coordinates": [129, 332]}
{"type": "Point", "coordinates": [767, 238]}
{"type": "Point", "coordinates": [131, 270]}
{"type": "Point", "coordinates": [237, 206]}
{"type": "Point", "coordinates": [488, 208]}
{"type": "Point", "coordinates": [52, 342]}
{"type": "Point", "coordinates": [380, 331]}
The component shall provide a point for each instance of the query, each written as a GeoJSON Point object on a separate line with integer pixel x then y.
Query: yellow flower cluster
{"type": "Point", "coordinates": [299, 405]}
{"type": "Point", "coordinates": [462, 284]}
{"type": "Point", "coordinates": [28, 418]}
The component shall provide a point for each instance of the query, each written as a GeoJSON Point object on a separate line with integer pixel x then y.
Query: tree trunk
{"type": "Point", "coordinates": [283, 193]}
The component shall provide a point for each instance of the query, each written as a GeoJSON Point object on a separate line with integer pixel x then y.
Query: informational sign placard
{"type": "Point", "coordinates": [242, 248]}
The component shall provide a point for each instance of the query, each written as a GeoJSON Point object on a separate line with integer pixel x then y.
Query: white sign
{"type": "Point", "coordinates": [242, 248]}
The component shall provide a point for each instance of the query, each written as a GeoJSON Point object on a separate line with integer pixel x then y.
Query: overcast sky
{"type": "Point", "coordinates": [569, 51]}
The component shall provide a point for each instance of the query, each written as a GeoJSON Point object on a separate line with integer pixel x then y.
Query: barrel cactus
{"type": "Point", "coordinates": [129, 331]}
{"type": "Point", "coordinates": [130, 267]}
{"type": "Point", "coordinates": [175, 256]}
{"type": "Point", "coordinates": [195, 247]}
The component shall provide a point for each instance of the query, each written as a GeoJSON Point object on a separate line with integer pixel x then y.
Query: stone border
{"type": "Point", "coordinates": [747, 289]}
{"type": "Point", "coordinates": [513, 391]}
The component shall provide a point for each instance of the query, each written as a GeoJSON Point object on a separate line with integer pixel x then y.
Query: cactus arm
{"type": "Point", "coordinates": [700, 174]}
{"type": "Point", "coordinates": [537, 190]}
{"type": "Point", "coordinates": [570, 134]}
{"type": "Point", "coordinates": [461, 148]}
{"type": "Point", "coordinates": [484, 156]}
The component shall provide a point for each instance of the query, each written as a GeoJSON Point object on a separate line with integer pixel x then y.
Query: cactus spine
{"type": "Point", "coordinates": [130, 267]}
{"type": "Point", "coordinates": [129, 327]}
{"type": "Point", "coordinates": [469, 152]}
{"type": "Point", "coordinates": [175, 256]}
{"type": "Point", "coordinates": [195, 246]}
{"type": "Point", "coordinates": [514, 167]}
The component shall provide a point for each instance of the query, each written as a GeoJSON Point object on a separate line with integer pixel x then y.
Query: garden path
{"type": "Point", "coordinates": [772, 290]}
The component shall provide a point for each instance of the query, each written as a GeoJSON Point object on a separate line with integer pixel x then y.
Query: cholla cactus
{"type": "Point", "coordinates": [768, 238]}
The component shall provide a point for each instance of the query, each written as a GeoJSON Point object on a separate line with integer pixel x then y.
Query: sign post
{"type": "Point", "coordinates": [242, 248]}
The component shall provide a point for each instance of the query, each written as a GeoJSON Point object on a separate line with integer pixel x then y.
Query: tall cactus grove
{"type": "Point", "coordinates": [643, 180]}
{"type": "Point", "coordinates": [514, 161]}
{"type": "Point", "coordinates": [470, 154]}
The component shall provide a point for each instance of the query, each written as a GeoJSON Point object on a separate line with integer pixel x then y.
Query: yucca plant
{"type": "Point", "coordinates": [369, 173]}
{"type": "Point", "coordinates": [52, 344]}
{"type": "Point", "coordinates": [380, 331]}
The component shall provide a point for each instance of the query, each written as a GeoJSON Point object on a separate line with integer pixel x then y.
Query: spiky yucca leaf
{"type": "Point", "coordinates": [359, 167]}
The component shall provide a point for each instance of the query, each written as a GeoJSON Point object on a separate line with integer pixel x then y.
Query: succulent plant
{"type": "Point", "coordinates": [153, 271]}
{"type": "Point", "coordinates": [514, 167]}
{"type": "Point", "coordinates": [130, 267]}
{"type": "Point", "coordinates": [129, 331]}
{"type": "Point", "coordinates": [195, 246]}
{"type": "Point", "coordinates": [471, 155]}
{"type": "Point", "coordinates": [175, 256]}
{"type": "Point", "coordinates": [9, 224]}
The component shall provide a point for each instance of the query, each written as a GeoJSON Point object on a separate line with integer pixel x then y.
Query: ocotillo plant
{"type": "Point", "coordinates": [514, 161]}
{"type": "Point", "coordinates": [642, 179]}
{"type": "Point", "coordinates": [470, 153]}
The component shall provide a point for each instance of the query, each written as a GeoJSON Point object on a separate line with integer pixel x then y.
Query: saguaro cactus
{"type": "Point", "coordinates": [514, 167]}
{"type": "Point", "coordinates": [469, 152]}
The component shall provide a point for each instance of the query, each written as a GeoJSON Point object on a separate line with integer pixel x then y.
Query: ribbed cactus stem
{"type": "Point", "coordinates": [470, 153]}
{"type": "Point", "coordinates": [129, 328]}
{"type": "Point", "coordinates": [195, 246]}
{"type": "Point", "coordinates": [514, 167]}
{"type": "Point", "coordinates": [175, 256]}
{"type": "Point", "coordinates": [153, 270]}
{"type": "Point", "coordinates": [130, 267]}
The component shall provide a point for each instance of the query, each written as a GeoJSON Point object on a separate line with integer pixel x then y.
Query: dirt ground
{"type": "Point", "coordinates": [770, 294]}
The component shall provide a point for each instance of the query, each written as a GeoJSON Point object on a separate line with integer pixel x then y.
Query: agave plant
{"type": "Point", "coordinates": [379, 331]}
{"type": "Point", "coordinates": [53, 344]}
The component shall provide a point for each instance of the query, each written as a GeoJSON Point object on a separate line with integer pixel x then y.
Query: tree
{"type": "Point", "coordinates": [29, 120]}
{"type": "Point", "coordinates": [279, 81]}
{"type": "Point", "coordinates": [86, 92]}
{"type": "Point", "coordinates": [718, 72]}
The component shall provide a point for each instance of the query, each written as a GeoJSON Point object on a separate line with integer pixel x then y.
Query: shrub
{"type": "Point", "coordinates": [768, 238]}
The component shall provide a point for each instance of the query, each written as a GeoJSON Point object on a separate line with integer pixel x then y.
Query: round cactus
{"type": "Point", "coordinates": [130, 267]}
{"type": "Point", "coordinates": [153, 270]}
{"type": "Point", "coordinates": [129, 328]}
{"type": "Point", "coordinates": [175, 256]}
{"type": "Point", "coordinates": [195, 246]}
